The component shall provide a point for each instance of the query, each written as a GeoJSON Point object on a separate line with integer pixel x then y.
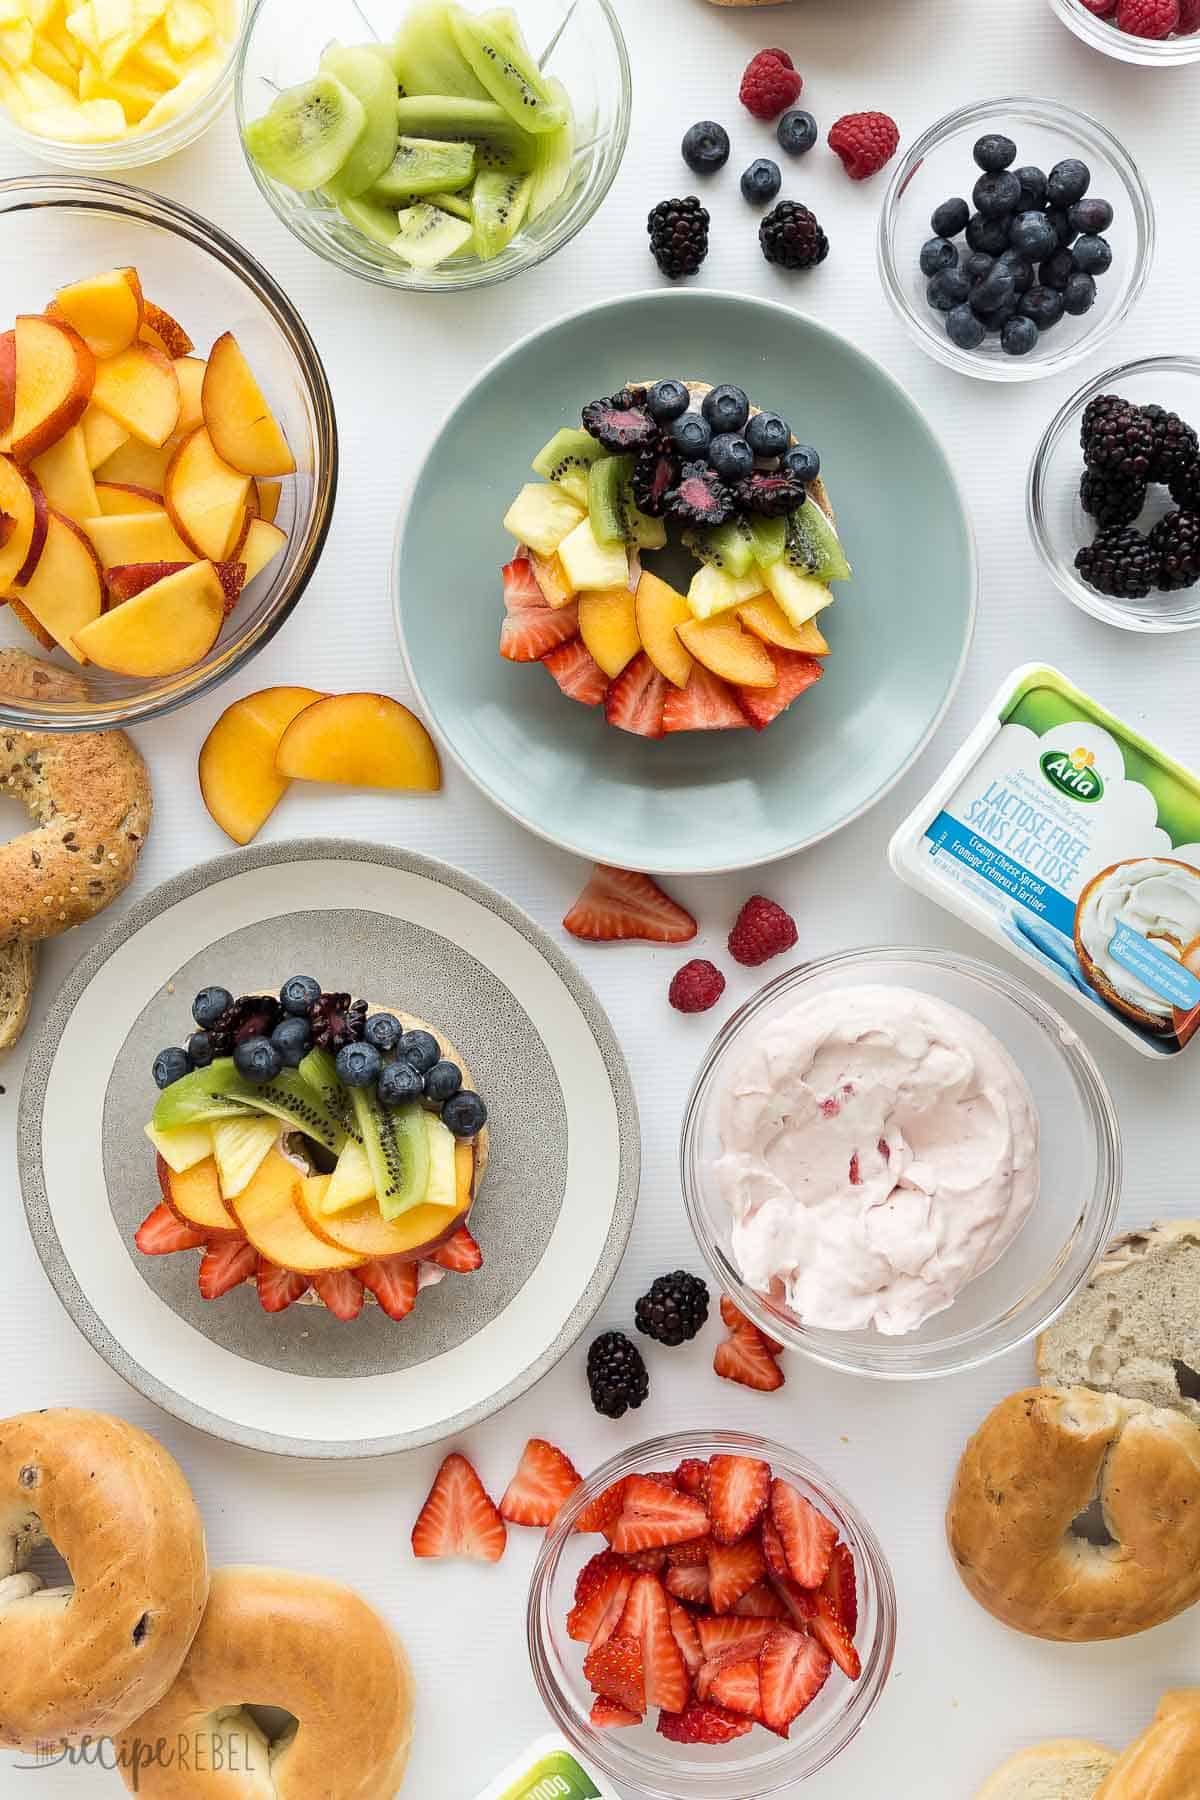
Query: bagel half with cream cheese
{"type": "Point", "coordinates": [1171, 920]}
{"type": "Point", "coordinates": [1058, 1769]}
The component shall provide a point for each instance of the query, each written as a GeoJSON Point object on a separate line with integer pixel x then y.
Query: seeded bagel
{"type": "Point", "coordinates": [18, 972]}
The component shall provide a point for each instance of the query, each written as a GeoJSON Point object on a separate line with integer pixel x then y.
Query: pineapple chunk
{"type": "Point", "coordinates": [541, 516]}
{"type": "Point", "coordinates": [239, 1146]}
{"type": "Point", "coordinates": [79, 122]}
{"type": "Point", "coordinates": [50, 60]}
{"type": "Point", "coordinates": [442, 1187]}
{"type": "Point", "coordinates": [590, 564]}
{"type": "Point", "coordinates": [712, 591]}
{"type": "Point", "coordinates": [351, 1182]}
{"type": "Point", "coordinates": [188, 25]}
{"type": "Point", "coordinates": [180, 99]}
{"type": "Point", "coordinates": [16, 37]}
{"type": "Point", "coordinates": [152, 61]}
{"type": "Point", "coordinates": [183, 1146]}
{"type": "Point", "coordinates": [135, 98]}
{"type": "Point", "coordinates": [799, 595]}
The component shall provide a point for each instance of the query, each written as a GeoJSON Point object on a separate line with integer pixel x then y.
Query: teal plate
{"type": "Point", "coordinates": [696, 802]}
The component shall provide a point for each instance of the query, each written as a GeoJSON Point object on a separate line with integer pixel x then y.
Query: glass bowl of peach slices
{"type": "Point", "coordinates": [168, 452]}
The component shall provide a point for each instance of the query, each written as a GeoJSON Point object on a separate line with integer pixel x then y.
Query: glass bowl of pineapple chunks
{"type": "Point", "coordinates": [103, 85]}
{"type": "Point", "coordinates": [418, 144]}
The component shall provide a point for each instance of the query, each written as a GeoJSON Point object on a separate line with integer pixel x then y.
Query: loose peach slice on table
{"type": "Point", "coordinates": [195, 1197]}
{"type": "Point", "coordinates": [189, 372]}
{"type": "Point", "coordinates": [102, 436]}
{"type": "Point", "coordinates": [268, 1212]}
{"type": "Point", "coordinates": [162, 630]}
{"type": "Point", "coordinates": [240, 422]}
{"type": "Point", "coordinates": [263, 544]}
{"type": "Point", "coordinates": [659, 611]}
{"type": "Point", "coordinates": [164, 332]}
{"type": "Point", "coordinates": [140, 390]}
{"type": "Point", "coordinates": [238, 779]}
{"type": "Point", "coordinates": [65, 593]}
{"type": "Point", "coordinates": [22, 501]}
{"type": "Point", "coordinates": [364, 1231]}
{"type": "Point", "coordinates": [56, 373]}
{"type": "Point", "coordinates": [608, 626]}
{"type": "Point", "coordinates": [140, 537]}
{"type": "Point", "coordinates": [123, 497]}
{"type": "Point", "coordinates": [270, 493]}
{"type": "Point", "coordinates": [204, 496]}
{"type": "Point", "coordinates": [768, 621]}
{"type": "Point", "coordinates": [359, 740]}
{"type": "Point", "coordinates": [730, 651]}
{"type": "Point", "coordinates": [66, 476]}
{"type": "Point", "coordinates": [106, 310]}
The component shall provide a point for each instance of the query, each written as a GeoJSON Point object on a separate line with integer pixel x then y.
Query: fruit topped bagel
{"type": "Point", "coordinates": [324, 1148]}
{"type": "Point", "coordinates": [745, 499]}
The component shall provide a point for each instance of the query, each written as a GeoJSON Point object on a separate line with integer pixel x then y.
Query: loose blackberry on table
{"type": "Point", "coordinates": [791, 237]}
{"type": "Point", "coordinates": [616, 1375]}
{"type": "Point", "coordinates": [674, 1309]}
{"type": "Point", "coordinates": [678, 236]}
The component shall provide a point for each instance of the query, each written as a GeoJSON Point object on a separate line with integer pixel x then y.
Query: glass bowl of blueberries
{"type": "Point", "coordinates": [1015, 236]}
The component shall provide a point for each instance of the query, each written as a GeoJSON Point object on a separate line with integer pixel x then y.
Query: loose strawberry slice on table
{"type": "Point", "coordinates": [577, 672]}
{"type": "Point", "coordinates": [595, 1585]}
{"type": "Point", "coordinates": [393, 1283]}
{"type": "Point", "coordinates": [604, 1510]}
{"type": "Point", "coordinates": [615, 1671]}
{"type": "Point", "coordinates": [683, 1629]}
{"type": "Point", "coordinates": [736, 1685]}
{"type": "Point", "coordinates": [832, 1635]}
{"type": "Point", "coordinates": [618, 903]}
{"type": "Point", "coordinates": [342, 1292]}
{"type": "Point", "coordinates": [636, 699]}
{"type": "Point", "coordinates": [796, 672]}
{"type": "Point", "coordinates": [841, 1587]}
{"type": "Point", "coordinates": [544, 1479]}
{"type": "Point", "coordinates": [737, 1321]}
{"type": "Point", "coordinates": [607, 1714]}
{"type": "Point", "coordinates": [653, 1516]}
{"type": "Point", "coordinates": [531, 626]}
{"type": "Point", "coordinates": [225, 1266]}
{"type": "Point", "coordinates": [760, 1602]}
{"type": "Point", "coordinates": [647, 1618]}
{"type": "Point", "coordinates": [703, 1723]}
{"type": "Point", "coordinates": [744, 1358]}
{"type": "Point", "coordinates": [733, 1569]}
{"type": "Point", "coordinates": [460, 1253]}
{"type": "Point", "coordinates": [706, 704]}
{"type": "Point", "coordinates": [793, 1669]}
{"type": "Point", "coordinates": [807, 1535]}
{"type": "Point", "coordinates": [279, 1288]}
{"type": "Point", "coordinates": [459, 1518]}
{"type": "Point", "coordinates": [161, 1234]}
{"type": "Point", "coordinates": [717, 1636]}
{"type": "Point", "coordinates": [739, 1489]}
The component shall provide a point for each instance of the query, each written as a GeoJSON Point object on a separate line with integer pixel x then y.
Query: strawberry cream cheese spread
{"type": "Point", "coordinates": [879, 1150]}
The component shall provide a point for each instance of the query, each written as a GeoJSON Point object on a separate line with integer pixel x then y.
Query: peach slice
{"type": "Point", "coordinates": [189, 372]}
{"type": "Point", "coordinates": [139, 465]}
{"type": "Point", "coordinates": [22, 501]}
{"type": "Point", "coordinates": [731, 652]}
{"type": "Point", "coordinates": [65, 593]}
{"type": "Point", "coordinates": [204, 496]}
{"type": "Point", "coordinates": [267, 1209]}
{"type": "Point", "coordinates": [195, 1197]}
{"type": "Point", "coordinates": [608, 625]}
{"type": "Point", "coordinates": [102, 435]}
{"type": "Point", "coordinates": [359, 740]}
{"type": "Point", "coordinates": [416, 1233]}
{"type": "Point", "coordinates": [270, 493]}
{"type": "Point", "coordinates": [238, 780]}
{"type": "Point", "coordinates": [767, 620]}
{"type": "Point", "coordinates": [66, 476]}
{"type": "Point", "coordinates": [164, 332]}
{"type": "Point", "coordinates": [659, 610]}
{"type": "Point", "coordinates": [55, 376]}
{"type": "Point", "coordinates": [140, 390]}
{"type": "Point", "coordinates": [263, 544]}
{"type": "Point", "coordinates": [123, 497]}
{"type": "Point", "coordinates": [106, 310]}
{"type": "Point", "coordinates": [137, 538]}
{"type": "Point", "coordinates": [241, 527]}
{"type": "Point", "coordinates": [23, 616]}
{"type": "Point", "coordinates": [8, 379]}
{"type": "Point", "coordinates": [557, 587]}
{"type": "Point", "coordinates": [240, 423]}
{"type": "Point", "coordinates": [162, 630]}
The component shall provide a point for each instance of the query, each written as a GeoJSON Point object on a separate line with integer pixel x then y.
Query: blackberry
{"type": "Point", "coordinates": [1175, 540]}
{"type": "Point", "coordinates": [337, 1020]}
{"type": "Point", "coordinates": [620, 422]}
{"type": "Point", "coordinates": [616, 1375]}
{"type": "Point", "coordinates": [1120, 561]}
{"type": "Point", "coordinates": [701, 497]}
{"type": "Point", "coordinates": [1116, 436]}
{"type": "Point", "coordinates": [791, 237]}
{"type": "Point", "coordinates": [674, 1310]}
{"type": "Point", "coordinates": [1175, 443]}
{"type": "Point", "coordinates": [1111, 499]}
{"type": "Point", "coordinates": [770, 496]}
{"type": "Point", "coordinates": [655, 473]}
{"type": "Point", "coordinates": [1184, 486]}
{"type": "Point", "coordinates": [678, 236]}
{"type": "Point", "coordinates": [251, 1016]}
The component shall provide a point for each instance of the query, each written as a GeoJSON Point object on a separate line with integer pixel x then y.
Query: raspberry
{"type": "Point", "coordinates": [1101, 8]}
{"type": "Point", "coordinates": [760, 931]}
{"type": "Point", "coordinates": [1189, 18]}
{"type": "Point", "coordinates": [696, 987]}
{"type": "Point", "coordinates": [770, 85]}
{"type": "Point", "coordinates": [864, 141]}
{"type": "Point", "coordinates": [1148, 18]}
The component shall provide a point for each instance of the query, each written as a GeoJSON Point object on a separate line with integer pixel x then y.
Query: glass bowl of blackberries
{"type": "Point", "coordinates": [1114, 496]}
{"type": "Point", "coordinates": [1015, 236]}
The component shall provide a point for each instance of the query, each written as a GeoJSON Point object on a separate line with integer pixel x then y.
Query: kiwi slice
{"type": "Point", "coordinates": [504, 22]}
{"type": "Point", "coordinates": [499, 144]}
{"type": "Point", "coordinates": [376, 222]}
{"type": "Point", "coordinates": [427, 59]}
{"type": "Point", "coordinates": [308, 134]}
{"type": "Point", "coordinates": [220, 1092]}
{"type": "Point", "coordinates": [368, 75]}
{"type": "Point", "coordinates": [768, 540]}
{"type": "Point", "coordinates": [319, 1070]}
{"type": "Point", "coordinates": [566, 460]}
{"type": "Point", "coordinates": [397, 1145]}
{"type": "Point", "coordinates": [813, 546]}
{"type": "Point", "coordinates": [607, 481]}
{"type": "Point", "coordinates": [553, 158]}
{"type": "Point", "coordinates": [423, 165]}
{"type": "Point", "coordinates": [427, 236]}
{"type": "Point", "coordinates": [643, 532]}
{"type": "Point", "coordinates": [507, 71]}
{"type": "Point", "coordinates": [500, 203]}
{"type": "Point", "coordinates": [725, 547]}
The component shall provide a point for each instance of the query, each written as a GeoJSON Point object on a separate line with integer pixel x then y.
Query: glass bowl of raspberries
{"type": "Point", "coordinates": [1113, 498]}
{"type": "Point", "coordinates": [710, 1616]}
{"type": "Point", "coordinates": [1015, 236]}
{"type": "Point", "coordinates": [1156, 33]}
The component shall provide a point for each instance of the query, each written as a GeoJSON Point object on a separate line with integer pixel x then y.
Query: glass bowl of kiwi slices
{"type": "Point", "coordinates": [418, 144]}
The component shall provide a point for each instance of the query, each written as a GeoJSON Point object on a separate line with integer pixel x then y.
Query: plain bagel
{"type": "Point", "coordinates": [1164, 1762]}
{"type": "Point", "coordinates": [313, 1648]}
{"type": "Point", "coordinates": [85, 1662]}
{"type": "Point", "coordinates": [1039, 1460]}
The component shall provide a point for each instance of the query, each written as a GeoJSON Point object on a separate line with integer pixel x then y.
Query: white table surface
{"type": "Point", "coordinates": [965, 1691]}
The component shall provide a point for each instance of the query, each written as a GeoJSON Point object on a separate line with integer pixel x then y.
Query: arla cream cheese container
{"type": "Point", "coordinates": [1073, 841]}
{"type": "Point", "coordinates": [549, 1770]}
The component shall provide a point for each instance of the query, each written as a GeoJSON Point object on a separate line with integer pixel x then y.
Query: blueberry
{"type": "Point", "coordinates": [442, 1081]}
{"type": "Point", "coordinates": [1033, 187]}
{"type": "Point", "coordinates": [1033, 235]}
{"type": "Point", "coordinates": [938, 253]}
{"type": "Point", "coordinates": [1063, 227]}
{"type": "Point", "coordinates": [292, 1037]}
{"type": "Point", "coordinates": [948, 219]}
{"type": "Point", "coordinates": [768, 435]}
{"type": "Point", "coordinates": [803, 462]}
{"type": "Point", "coordinates": [987, 234]}
{"type": "Point", "coordinates": [199, 1050]}
{"type": "Point", "coordinates": [1068, 181]}
{"type": "Point", "coordinates": [726, 408]}
{"type": "Point", "coordinates": [796, 131]}
{"type": "Point", "coordinates": [949, 288]}
{"type": "Point", "coordinates": [731, 456]}
{"type": "Point", "coordinates": [1090, 215]}
{"type": "Point", "coordinates": [299, 995]}
{"type": "Point", "coordinates": [995, 151]}
{"type": "Point", "coordinates": [171, 1065]}
{"type": "Point", "coordinates": [399, 1083]}
{"type": "Point", "coordinates": [256, 1059]}
{"type": "Point", "coordinates": [383, 1030]}
{"type": "Point", "coordinates": [1057, 270]}
{"type": "Point", "coordinates": [1079, 295]}
{"type": "Point", "coordinates": [209, 1004]}
{"type": "Point", "coordinates": [761, 181]}
{"type": "Point", "coordinates": [964, 329]}
{"type": "Point", "coordinates": [421, 1049]}
{"type": "Point", "coordinates": [996, 194]}
{"type": "Point", "coordinates": [1092, 255]}
{"type": "Point", "coordinates": [1022, 269]}
{"type": "Point", "coordinates": [358, 1064]}
{"type": "Point", "coordinates": [1018, 337]}
{"type": "Point", "coordinates": [667, 400]}
{"type": "Point", "coordinates": [1044, 305]}
{"type": "Point", "coordinates": [977, 265]}
{"type": "Point", "coordinates": [997, 318]}
{"type": "Point", "coordinates": [692, 434]}
{"type": "Point", "coordinates": [997, 286]}
{"type": "Point", "coordinates": [464, 1114]}
{"type": "Point", "coordinates": [706, 147]}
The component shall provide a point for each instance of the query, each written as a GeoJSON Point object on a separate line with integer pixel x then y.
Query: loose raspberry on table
{"type": "Point", "coordinates": [1148, 18]}
{"type": "Point", "coordinates": [696, 987]}
{"type": "Point", "coordinates": [761, 930]}
{"type": "Point", "coordinates": [770, 84]}
{"type": "Point", "coordinates": [864, 141]}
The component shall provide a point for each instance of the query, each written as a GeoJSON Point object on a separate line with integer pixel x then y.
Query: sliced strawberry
{"type": "Point", "coordinates": [607, 1714]}
{"type": "Point", "coordinates": [651, 1562]}
{"type": "Point", "coordinates": [701, 1722]}
{"type": "Point", "coordinates": [341, 1291]}
{"type": "Point", "coordinates": [736, 1685]}
{"type": "Point", "coordinates": [691, 1477]}
{"type": "Point", "coordinates": [760, 1602]}
{"type": "Point", "coordinates": [647, 1617]}
{"type": "Point", "coordinates": [225, 1266]}
{"type": "Point", "coordinates": [744, 1357]}
{"type": "Point", "coordinates": [604, 1510]}
{"type": "Point", "coordinates": [796, 672]}
{"type": "Point", "coordinates": [652, 1516]}
{"type": "Point", "coordinates": [544, 1479]}
{"type": "Point", "coordinates": [614, 1611]}
{"type": "Point", "coordinates": [617, 903]}
{"type": "Point", "coordinates": [832, 1635]}
{"type": "Point", "coordinates": [520, 585]}
{"type": "Point", "coordinates": [706, 704]}
{"type": "Point", "coordinates": [739, 1489]}
{"type": "Point", "coordinates": [718, 1636]}
{"type": "Point", "coordinates": [694, 1551]}
{"type": "Point", "coordinates": [807, 1535]}
{"type": "Point", "coordinates": [531, 627]}
{"type": "Point", "coordinates": [796, 1603]}
{"type": "Point", "coordinates": [595, 1585]}
{"type": "Point", "coordinates": [615, 1671]}
{"type": "Point", "coordinates": [460, 1253]}
{"type": "Point", "coordinates": [278, 1288]}
{"type": "Point", "coordinates": [792, 1671]}
{"type": "Point", "coordinates": [459, 1518]}
{"type": "Point", "coordinates": [689, 1583]}
{"type": "Point", "coordinates": [161, 1234]}
{"type": "Point", "coordinates": [393, 1283]}
{"type": "Point", "coordinates": [737, 1321]}
{"type": "Point", "coordinates": [841, 1588]}
{"type": "Point", "coordinates": [636, 699]}
{"type": "Point", "coordinates": [772, 1548]}
{"type": "Point", "coordinates": [577, 672]}
{"type": "Point", "coordinates": [733, 1569]}
{"type": "Point", "coordinates": [683, 1630]}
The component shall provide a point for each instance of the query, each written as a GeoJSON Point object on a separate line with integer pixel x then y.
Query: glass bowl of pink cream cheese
{"type": "Point", "coordinates": [900, 1162]}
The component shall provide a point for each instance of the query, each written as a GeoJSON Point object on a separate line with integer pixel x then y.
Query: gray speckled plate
{"type": "Point", "coordinates": [554, 1211]}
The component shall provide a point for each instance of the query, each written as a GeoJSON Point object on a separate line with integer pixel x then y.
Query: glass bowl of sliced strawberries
{"type": "Point", "coordinates": [710, 1616]}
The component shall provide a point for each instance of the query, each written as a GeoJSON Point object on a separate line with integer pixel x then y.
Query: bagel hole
{"type": "Point", "coordinates": [1090, 1525]}
{"type": "Point", "coordinates": [51, 1567]}
{"type": "Point", "coordinates": [275, 1722]}
{"type": "Point", "coordinates": [1187, 1380]}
